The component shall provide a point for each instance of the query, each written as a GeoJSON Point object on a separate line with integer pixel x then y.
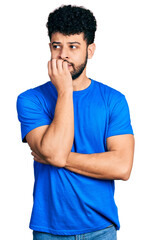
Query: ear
{"type": "Point", "coordinates": [91, 50]}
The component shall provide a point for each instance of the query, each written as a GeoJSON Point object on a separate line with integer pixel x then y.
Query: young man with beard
{"type": "Point", "coordinates": [80, 134]}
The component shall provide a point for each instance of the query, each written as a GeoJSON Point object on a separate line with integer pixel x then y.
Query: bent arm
{"type": "Point", "coordinates": [114, 164]}
{"type": "Point", "coordinates": [53, 142]}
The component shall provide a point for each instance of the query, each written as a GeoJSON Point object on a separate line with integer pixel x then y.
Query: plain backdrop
{"type": "Point", "coordinates": [122, 60]}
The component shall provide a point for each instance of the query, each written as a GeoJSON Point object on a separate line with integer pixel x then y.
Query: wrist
{"type": "Point", "coordinates": [65, 91]}
{"type": "Point", "coordinates": [68, 160]}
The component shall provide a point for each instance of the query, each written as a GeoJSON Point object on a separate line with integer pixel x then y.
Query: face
{"type": "Point", "coordinates": [72, 49]}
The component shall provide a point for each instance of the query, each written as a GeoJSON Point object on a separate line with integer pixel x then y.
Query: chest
{"type": "Point", "coordinates": [90, 123]}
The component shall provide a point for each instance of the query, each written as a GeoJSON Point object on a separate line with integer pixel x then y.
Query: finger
{"type": "Point", "coordinates": [65, 66]}
{"type": "Point", "coordinates": [53, 65]}
{"type": "Point", "coordinates": [40, 161]}
{"type": "Point", "coordinates": [37, 158]}
{"type": "Point", "coordinates": [59, 65]}
{"type": "Point", "coordinates": [49, 68]}
{"type": "Point", "coordinates": [35, 155]}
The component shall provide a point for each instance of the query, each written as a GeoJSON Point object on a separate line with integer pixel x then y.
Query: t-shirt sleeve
{"type": "Point", "coordinates": [31, 113]}
{"type": "Point", "coordinates": [119, 118]}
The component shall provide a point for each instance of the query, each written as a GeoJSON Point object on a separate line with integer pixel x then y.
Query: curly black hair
{"type": "Point", "coordinates": [69, 20]}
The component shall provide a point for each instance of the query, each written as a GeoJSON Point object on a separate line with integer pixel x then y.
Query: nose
{"type": "Point", "coordinates": [64, 53]}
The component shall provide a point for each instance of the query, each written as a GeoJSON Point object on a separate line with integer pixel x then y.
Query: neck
{"type": "Point", "coordinates": [81, 82]}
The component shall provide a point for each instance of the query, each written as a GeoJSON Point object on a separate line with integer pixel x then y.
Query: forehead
{"type": "Point", "coordinates": [59, 37]}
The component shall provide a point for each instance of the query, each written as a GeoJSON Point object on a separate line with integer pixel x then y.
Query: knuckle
{"type": "Point", "coordinates": [60, 60]}
{"type": "Point", "coordinates": [64, 61]}
{"type": "Point", "coordinates": [54, 74]}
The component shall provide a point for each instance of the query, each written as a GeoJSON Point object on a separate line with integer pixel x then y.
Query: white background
{"type": "Point", "coordinates": [122, 60]}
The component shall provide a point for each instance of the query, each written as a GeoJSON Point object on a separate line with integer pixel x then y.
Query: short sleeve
{"type": "Point", "coordinates": [119, 118]}
{"type": "Point", "coordinates": [31, 113]}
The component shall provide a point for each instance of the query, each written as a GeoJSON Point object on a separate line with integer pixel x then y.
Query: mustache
{"type": "Point", "coordinates": [68, 62]}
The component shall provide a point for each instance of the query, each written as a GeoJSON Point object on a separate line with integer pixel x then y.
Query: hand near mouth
{"type": "Point", "coordinates": [58, 71]}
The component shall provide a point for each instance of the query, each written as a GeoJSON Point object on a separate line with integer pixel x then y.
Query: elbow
{"type": "Point", "coordinates": [60, 161]}
{"type": "Point", "coordinates": [125, 177]}
{"type": "Point", "coordinates": [54, 157]}
{"type": "Point", "coordinates": [125, 168]}
{"type": "Point", "coordinates": [56, 160]}
{"type": "Point", "coordinates": [125, 174]}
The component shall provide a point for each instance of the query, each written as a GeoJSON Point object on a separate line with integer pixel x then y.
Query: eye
{"type": "Point", "coordinates": [73, 46]}
{"type": "Point", "coordinates": [56, 46]}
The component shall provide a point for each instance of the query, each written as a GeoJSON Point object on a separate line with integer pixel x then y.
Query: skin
{"type": "Point", "coordinates": [69, 52]}
{"type": "Point", "coordinates": [75, 53]}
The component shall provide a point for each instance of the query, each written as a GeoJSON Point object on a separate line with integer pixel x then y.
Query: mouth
{"type": "Point", "coordinates": [69, 65]}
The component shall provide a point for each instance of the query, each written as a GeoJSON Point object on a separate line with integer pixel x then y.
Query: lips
{"type": "Point", "coordinates": [69, 64]}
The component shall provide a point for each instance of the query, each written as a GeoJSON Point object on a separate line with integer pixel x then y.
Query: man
{"type": "Point", "coordinates": [80, 134]}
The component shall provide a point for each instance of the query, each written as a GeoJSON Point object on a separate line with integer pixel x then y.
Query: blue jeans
{"type": "Point", "coordinates": [108, 233]}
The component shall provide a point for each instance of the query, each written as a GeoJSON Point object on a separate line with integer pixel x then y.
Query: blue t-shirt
{"type": "Point", "coordinates": [67, 203]}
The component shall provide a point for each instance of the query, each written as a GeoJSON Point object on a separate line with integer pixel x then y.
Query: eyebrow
{"type": "Point", "coordinates": [68, 43]}
{"type": "Point", "coordinates": [74, 43]}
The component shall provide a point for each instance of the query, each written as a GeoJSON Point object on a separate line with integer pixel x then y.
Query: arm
{"type": "Point", "coordinates": [116, 163]}
{"type": "Point", "coordinates": [53, 142]}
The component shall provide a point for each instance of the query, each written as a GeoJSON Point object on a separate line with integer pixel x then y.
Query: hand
{"type": "Point", "coordinates": [60, 75]}
{"type": "Point", "coordinates": [38, 159]}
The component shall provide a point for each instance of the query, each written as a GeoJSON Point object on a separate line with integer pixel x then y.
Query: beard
{"type": "Point", "coordinates": [77, 71]}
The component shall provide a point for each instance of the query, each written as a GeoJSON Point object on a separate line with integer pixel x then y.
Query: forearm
{"type": "Point", "coordinates": [58, 139]}
{"type": "Point", "coordinates": [107, 165]}
{"type": "Point", "coordinates": [116, 163]}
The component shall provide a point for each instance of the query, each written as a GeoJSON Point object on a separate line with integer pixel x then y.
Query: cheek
{"type": "Point", "coordinates": [76, 57]}
{"type": "Point", "coordinates": [79, 59]}
{"type": "Point", "coordinates": [54, 54]}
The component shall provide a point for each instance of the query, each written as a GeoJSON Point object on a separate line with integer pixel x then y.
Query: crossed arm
{"type": "Point", "coordinates": [51, 144]}
{"type": "Point", "coordinates": [116, 163]}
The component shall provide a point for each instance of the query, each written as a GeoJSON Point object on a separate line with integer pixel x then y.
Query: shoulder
{"type": "Point", "coordinates": [115, 101]}
{"type": "Point", "coordinates": [37, 94]}
{"type": "Point", "coordinates": [32, 108]}
{"type": "Point", "coordinates": [109, 94]}
{"type": "Point", "coordinates": [39, 90]}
